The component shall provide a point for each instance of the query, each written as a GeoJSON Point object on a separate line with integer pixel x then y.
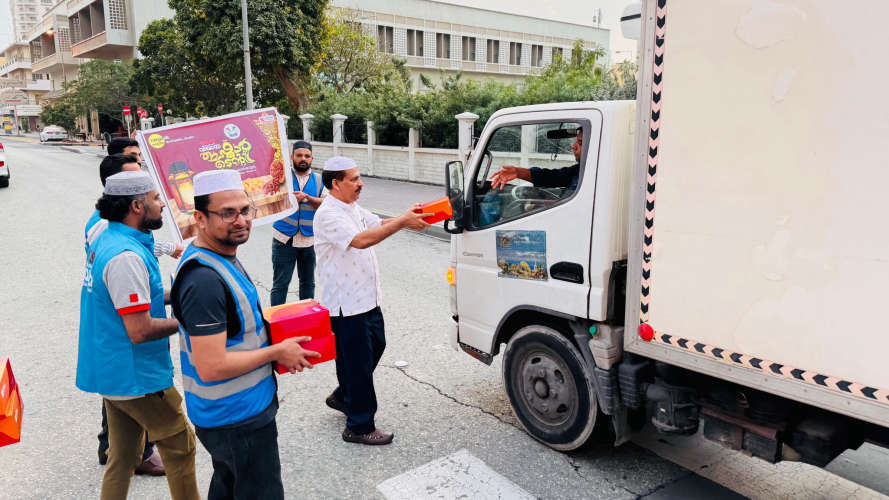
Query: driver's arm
{"type": "Point", "coordinates": [553, 178]}
{"type": "Point", "coordinates": [508, 173]}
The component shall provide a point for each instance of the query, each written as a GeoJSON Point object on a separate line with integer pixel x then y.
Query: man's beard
{"type": "Point", "coordinates": [302, 166]}
{"type": "Point", "coordinates": [148, 224]}
{"type": "Point", "coordinates": [233, 241]}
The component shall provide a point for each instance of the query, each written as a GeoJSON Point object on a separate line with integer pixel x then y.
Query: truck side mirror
{"type": "Point", "coordinates": [454, 190]}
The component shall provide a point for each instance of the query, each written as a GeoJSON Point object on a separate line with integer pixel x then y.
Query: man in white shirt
{"type": "Point", "coordinates": [349, 276]}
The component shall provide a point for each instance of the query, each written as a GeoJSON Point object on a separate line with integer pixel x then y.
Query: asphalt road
{"type": "Point", "coordinates": [454, 428]}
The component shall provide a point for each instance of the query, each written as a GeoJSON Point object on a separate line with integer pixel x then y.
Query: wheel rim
{"type": "Point", "coordinates": [546, 387]}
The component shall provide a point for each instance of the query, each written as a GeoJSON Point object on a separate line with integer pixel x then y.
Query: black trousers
{"type": "Point", "coordinates": [246, 463]}
{"type": "Point", "coordinates": [360, 342]}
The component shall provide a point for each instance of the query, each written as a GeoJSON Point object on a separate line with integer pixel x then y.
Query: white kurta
{"type": "Point", "coordinates": [348, 277]}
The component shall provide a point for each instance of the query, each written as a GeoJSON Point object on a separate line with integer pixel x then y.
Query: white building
{"type": "Point", "coordinates": [25, 14]}
{"type": "Point", "coordinates": [110, 29]}
{"type": "Point", "coordinates": [439, 39]}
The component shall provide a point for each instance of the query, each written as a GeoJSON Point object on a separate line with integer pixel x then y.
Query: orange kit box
{"type": "Point", "coordinates": [10, 406]}
{"type": "Point", "coordinates": [306, 318]}
{"type": "Point", "coordinates": [441, 210]}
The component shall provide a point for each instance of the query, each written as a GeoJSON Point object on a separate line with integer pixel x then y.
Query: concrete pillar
{"type": "Point", "coordinates": [466, 121]}
{"type": "Point", "coordinates": [307, 123]}
{"type": "Point", "coordinates": [338, 121]}
{"type": "Point", "coordinates": [413, 143]}
{"type": "Point", "coordinates": [371, 142]}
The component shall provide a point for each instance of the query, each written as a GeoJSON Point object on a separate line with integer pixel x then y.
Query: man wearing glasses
{"type": "Point", "coordinates": [230, 390]}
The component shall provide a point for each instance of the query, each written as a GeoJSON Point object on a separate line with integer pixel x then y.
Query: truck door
{"type": "Point", "coordinates": [526, 245]}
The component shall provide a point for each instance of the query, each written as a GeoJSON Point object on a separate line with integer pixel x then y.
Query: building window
{"type": "Point", "coordinates": [493, 51]}
{"type": "Point", "coordinates": [537, 55]}
{"type": "Point", "coordinates": [442, 46]}
{"type": "Point", "coordinates": [557, 53]}
{"type": "Point", "coordinates": [469, 48]}
{"type": "Point", "coordinates": [415, 43]}
{"type": "Point", "coordinates": [117, 14]}
{"type": "Point", "coordinates": [384, 39]}
{"type": "Point", "coordinates": [515, 53]}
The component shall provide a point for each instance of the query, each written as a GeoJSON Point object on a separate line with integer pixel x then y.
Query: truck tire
{"type": "Point", "coordinates": [550, 388]}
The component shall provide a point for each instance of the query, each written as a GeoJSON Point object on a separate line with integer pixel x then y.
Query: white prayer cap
{"type": "Point", "coordinates": [129, 183]}
{"type": "Point", "coordinates": [214, 181]}
{"type": "Point", "coordinates": [339, 164]}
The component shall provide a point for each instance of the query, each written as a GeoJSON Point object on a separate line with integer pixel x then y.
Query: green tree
{"type": "Point", "coordinates": [101, 86]}
{"type": "Point", "coordinates": [285, 42]}
{"type": "Point", "coordinates": [59, 112]}
{"type": "Point", "coordinates": [350, 59]}
{"type": "Point", "coordinates": [168, 74]}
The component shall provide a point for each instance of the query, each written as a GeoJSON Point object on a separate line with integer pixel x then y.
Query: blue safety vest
{"type": "Point", "coordinates": [224, 402]}
{"type": "Point", "coordinates": [301, 219]}
{"type": "Point", "coordinates": [109, 363]}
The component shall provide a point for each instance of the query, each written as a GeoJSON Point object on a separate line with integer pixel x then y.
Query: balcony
{"type": "Point", "coordinates": [13, 65]}
{"type": "Point", "coordinates": [53, 62]}
{"type": "Point", "coordinates": [38, 86]}
{"type": "Point", "coordinates": [108, 45]}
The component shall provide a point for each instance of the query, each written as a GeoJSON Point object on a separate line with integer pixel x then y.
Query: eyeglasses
{"type": "Point", "coordinates": [231, 215]}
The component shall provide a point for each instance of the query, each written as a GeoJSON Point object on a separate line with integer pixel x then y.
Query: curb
{"type": "Point", "coordinates": [435, 231]}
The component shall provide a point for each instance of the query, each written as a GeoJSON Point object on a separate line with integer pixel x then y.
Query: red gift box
{"type": "Point", "coordinates": [440, 209]}
{"type": "Point", "coordinates": [10, 406]}
{"type": "Point", "coordinates": [306, 318]}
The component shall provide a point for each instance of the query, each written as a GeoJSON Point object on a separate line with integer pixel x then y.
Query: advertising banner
{"type": "Point", "coordinates": [249, 142]}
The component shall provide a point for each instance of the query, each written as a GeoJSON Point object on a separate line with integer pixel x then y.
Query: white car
{"type": "Point", "coordinates": [53, 133]}
{"type": "Point", "coordinates": [4, 168]}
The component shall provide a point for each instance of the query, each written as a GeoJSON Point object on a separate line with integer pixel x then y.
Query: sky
{"type": "Point", "coordinates": [574, 11]}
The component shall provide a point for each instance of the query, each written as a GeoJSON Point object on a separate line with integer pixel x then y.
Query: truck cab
{"type": "Point", "coordinates": [542, 253]}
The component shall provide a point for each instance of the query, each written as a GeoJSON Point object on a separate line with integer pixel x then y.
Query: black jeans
{"type": "Point", "coordinates": [284, 258]}
{"type": "Point", "coordinates": [103, 439]}
{"type": "Point", "coordinates": [246, 463]}
{"type": "Point", "coordinates": [360, 342]}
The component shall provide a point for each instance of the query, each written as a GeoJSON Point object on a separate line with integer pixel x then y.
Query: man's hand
{"type": "Point", "coordinates": [178, 252]}
{"type": "Point", "coordinates": [508, 173]}
{"type": "Point", "coordinates": [414, 220]}
{"type": "Point", "coordinates": [300, 196]}
{"type": "Point", "coordinates": [292, 356]}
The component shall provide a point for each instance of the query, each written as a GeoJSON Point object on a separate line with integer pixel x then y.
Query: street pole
{"type": "Point", "coordinates": [248, 78]}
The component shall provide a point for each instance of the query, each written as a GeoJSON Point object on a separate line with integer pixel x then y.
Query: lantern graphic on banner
{"type": "Point", "coordinates": [183, 186]}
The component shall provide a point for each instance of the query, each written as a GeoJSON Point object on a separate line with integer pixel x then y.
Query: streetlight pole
{"type": "Point", "coordinates": [248, 77]}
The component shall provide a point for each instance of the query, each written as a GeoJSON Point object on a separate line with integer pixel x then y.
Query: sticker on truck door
{"type": "Point", "coordinates": [522, 255]}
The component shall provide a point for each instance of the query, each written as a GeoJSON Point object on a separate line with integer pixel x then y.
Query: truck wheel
{"type": "Point", "coordinates": [550, 388]}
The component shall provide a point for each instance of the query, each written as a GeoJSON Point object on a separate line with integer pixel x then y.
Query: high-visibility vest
{"type": "Point", "coordinates": [108, 363]}
{"type": "Point", "coordinates": [224, 402]}
{"type": "Point", "coordinates": [301, 219]}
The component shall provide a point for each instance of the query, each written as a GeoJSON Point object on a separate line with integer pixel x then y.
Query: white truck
{"type": "Point", "coordinates": [714, 254]}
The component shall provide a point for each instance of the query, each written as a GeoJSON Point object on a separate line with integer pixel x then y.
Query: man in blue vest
{"type": "Point", "coordinates": [123, 345]}
{"type": "Point", "coordinates": [230, 389]}
{"type": "Point", "coordinates": [293, 242]}
{"type": "Point", "coordinates": [115, 163]}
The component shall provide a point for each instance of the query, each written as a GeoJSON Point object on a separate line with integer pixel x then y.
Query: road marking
{"type": "Point", "coordinates": [459, 475]}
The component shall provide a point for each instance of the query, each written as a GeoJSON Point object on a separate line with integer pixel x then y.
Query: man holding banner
{"type": "Point", "coordinates": [293, 243]}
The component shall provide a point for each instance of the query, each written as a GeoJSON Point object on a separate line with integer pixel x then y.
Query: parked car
{"type": "Point", "coordinates": [4, 168]}
{"type": "Point", "coordinates": [53, 133]}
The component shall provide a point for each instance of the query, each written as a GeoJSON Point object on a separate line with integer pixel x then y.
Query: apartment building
{"type": "Point", "coordinates": [439, 39]}
{"type": "Point", "coordinates": [110, 29]}
{"type": "Point", "coordinates": [25, 14]}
